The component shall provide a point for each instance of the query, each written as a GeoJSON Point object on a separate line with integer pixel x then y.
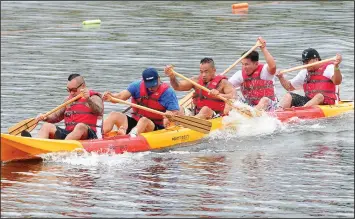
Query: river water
{"type": "Point", "coordinates": [263, 169]}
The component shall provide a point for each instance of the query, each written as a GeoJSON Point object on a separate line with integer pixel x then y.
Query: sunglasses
{"type": "Point", "coordinates": [74, 89]}
{"type": "Point", "coordinates": [305, 61]}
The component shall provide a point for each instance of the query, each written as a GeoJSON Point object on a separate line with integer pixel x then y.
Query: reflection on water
{"type": "Point", "coordinates": [304, 169]}
{"type": "Point", "coordinates": [211, 172]}
{"type": "Point", "coordinates": [19, 171]}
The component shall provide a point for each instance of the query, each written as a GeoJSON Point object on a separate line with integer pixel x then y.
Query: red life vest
{"type": "Point", "coordinates": [150, 101]}
{"type": "Point", "coordinates": [201, 97]}
{"type": "Point", "coordinates": [317, 83]}
{"type": "Point", "coordinates": [79, 112]}
{"type": "Point", "coordinates": [254, 88]}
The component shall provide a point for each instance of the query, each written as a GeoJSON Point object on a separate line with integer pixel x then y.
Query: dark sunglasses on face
{"type": "Point", "coordinates": [305, 62]}
{"type": "Point", "coordinates": [74, 89]}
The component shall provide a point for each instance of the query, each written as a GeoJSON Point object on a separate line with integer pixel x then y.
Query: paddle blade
{"type": "Point", "coordinates": [187, 100]}
{"type": "Point", "coordinates": [244, 112]}
{"type": "Point", "coordinates": [196, 124]}
{"type": "Point", "coordinates": [27, 124]}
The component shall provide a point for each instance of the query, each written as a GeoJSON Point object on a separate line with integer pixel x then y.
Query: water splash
{"type": "Point", "coordinates": [237, 125]}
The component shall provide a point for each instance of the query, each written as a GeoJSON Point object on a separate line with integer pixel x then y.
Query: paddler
{"type": "Point", "coordinates": [207, 105]}
{"type": "Point", "coordinates": [319, 82]}
{"type": "Point", "coordinates": [256, 80]}
{"type": "Point", "coordinates": [150, 92]}
{"type": "Point", "coordinates": [82, 118]}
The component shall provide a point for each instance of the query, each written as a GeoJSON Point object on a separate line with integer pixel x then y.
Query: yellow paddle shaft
{"type": "Point", "coordinates": [308, 65]}
{"type": "Point", "coordinates": [257, 44]}
{"type": "Point", "coordinates": [200, 86]}
{"type": "Point", "coordinates": [64, 104]}
{"type": "Point", "coordinates": [115, 100]}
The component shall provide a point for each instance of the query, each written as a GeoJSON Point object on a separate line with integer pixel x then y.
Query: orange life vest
{"type": "Point", "coordinates": [79, 112]}
{"type": "Point", "coordinates": [317, 83]}
{"type": "Point", "coordinates": [201, 97]}
{"type": "Point", "coordinates": [254, 88]}
{"type": "Point", "coordinates": [150, 101]}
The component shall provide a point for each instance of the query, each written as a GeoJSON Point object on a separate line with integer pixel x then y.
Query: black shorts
{"type": "Point", "coordinates": [132, 123]}
{"type": "Point", "coordinates": [298, 100]}
{"type": "Point", "coordinates": [62, 133]}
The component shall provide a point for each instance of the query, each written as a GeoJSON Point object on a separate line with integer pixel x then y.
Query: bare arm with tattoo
{"type": "Point", "coordinates": [56, 116]}
{"type": "Point", "coordinates": [96, 104]}
{"type": "Point", "coordinates": [182, 85]}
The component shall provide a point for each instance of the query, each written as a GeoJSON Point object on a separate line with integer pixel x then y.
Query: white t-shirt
{"type": "Point", "coordinates": [237, 78]}
{"type": "Point", "coordinates": [298, 81]}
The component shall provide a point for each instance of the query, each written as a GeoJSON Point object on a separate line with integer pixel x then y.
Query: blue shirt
{"type": "Point", "coordinates": [168, 99]}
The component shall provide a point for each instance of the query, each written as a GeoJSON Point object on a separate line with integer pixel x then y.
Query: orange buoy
{"type": "Point", "coordinates": [240, 6]}
{"type": "Point", "coordinates": [240, 12]}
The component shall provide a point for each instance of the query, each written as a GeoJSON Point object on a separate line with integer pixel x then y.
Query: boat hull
{"type": "Point", "coordinates": [313, 112]}
{"type": "Point", "coordinates": [21, 148]}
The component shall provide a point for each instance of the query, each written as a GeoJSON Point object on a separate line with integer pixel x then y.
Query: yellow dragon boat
{"type": "Point", "coordinates": [21, 148]}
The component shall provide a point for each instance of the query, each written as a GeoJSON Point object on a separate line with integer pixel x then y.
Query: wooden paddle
{"type": "Point", "coordinates": [257, 44]}
{"type": "Point", "coordinates": [245, 112]}
{"type": "Point", "coordinates": [187, 100]}
{"type": "Point", "coordinates": [308, 65]}
{"type": "Point", "coordinates": [30, 124]}
{"type": "Point", "coordinates": [193, 123]}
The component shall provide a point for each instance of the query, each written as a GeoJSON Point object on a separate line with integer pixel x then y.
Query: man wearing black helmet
{"type": "Point", "coordinates": [319, 82]}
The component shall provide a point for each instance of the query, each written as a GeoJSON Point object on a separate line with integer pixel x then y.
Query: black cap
{"type": "Point", "coordinates": [309, 53]}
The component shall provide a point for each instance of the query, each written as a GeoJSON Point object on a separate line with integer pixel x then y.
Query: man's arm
{"type": "Point", "coordinates": [285, 83]}
{"type": "Point", "coordinates": [56, 116]}
{"type": "Point", "coordinates": [228, 91]}
{"type": "Point", "coordinates": [337, 77]}
{"type": "Point", "coordinates": [123, 95]}
{"type": "Point", "coordinates": [171, 103]}
{"type": "Point", "coordinates": [268, 57]}
{"type": "Point", "coordinates": [182, 85]}
{"type": "Point", "coordinates": [294, 84]}
{"type": "Point", "coordinates": [96, 104]}
{"type": "Point", "coordinates": [169, 100]}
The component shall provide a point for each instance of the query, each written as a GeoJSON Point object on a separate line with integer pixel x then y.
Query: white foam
{"type": "Point", "coordinates": [237, 125]}
{"type": "Point", "coordinates": [180, 152]}
{"type": "Point", "coordinates": [317, 126]}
